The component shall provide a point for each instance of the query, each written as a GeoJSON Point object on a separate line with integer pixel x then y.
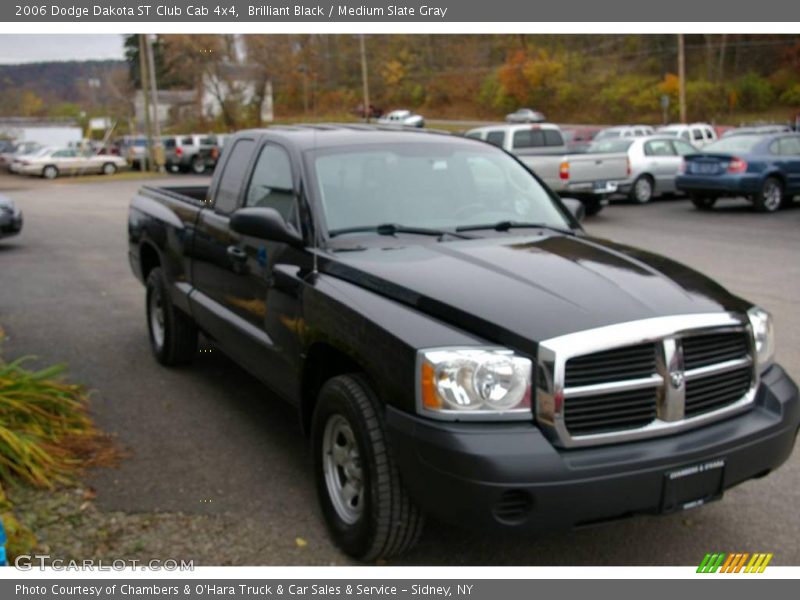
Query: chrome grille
{"type": "Point", "coordinates": [644, 378]}
{"type": "Point", "coordinates": [703, 350]}
{"type": "Point", "coordinates": [632, 362]}
{"type": "Point", "coordinates": [610, 412]}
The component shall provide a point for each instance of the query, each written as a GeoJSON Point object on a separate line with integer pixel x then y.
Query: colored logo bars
{"type": "Point", "coordinates": [734, 563]}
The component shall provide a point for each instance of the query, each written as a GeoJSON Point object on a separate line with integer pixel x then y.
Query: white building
{"type": "Point", "coordinates": [42, 131]}
{"type": "Point", "coordinates": [171, 105]}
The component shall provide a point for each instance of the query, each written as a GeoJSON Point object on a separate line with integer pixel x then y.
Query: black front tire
{"type": "Point", "coordinates": [703, 202]}
{"type": "Point", "coordinates": [389, 523]}
{"type": "Point", "coordinates": [173, 334]}
{"type": "Point", "coordinates": [592, 207]}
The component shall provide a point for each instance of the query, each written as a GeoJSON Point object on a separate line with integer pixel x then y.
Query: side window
{"type": "Point", "coordinates": [697, 135]}
{"type": "Point", "coordinates": [271, 183]}
{"type": "Point", "coordinates": [789, 146]}
{"type": "Point", "coordinates": [553, 138]}
{"type": "Point", "coordinates": [497, 138]}
{"type": "Point", "coordinates": [169, 143]}
{"type": "Point", "coordinates": [187, 141]}
{"type": "Point", "coordinates": [685, 134]}
{"type": "Point", "coordinates": [683, 148]}
{"type": "Point", "coordinates": [658, 148]}
{"type": "Point", "coordinates": [233, 174]}
{"type": "Point", "coordinates": [709, 134]}
{"type": "Point", "coordinates": [476, 135]}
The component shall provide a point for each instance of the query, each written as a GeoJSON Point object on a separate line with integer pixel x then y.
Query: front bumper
{"type": "Point", "coordinates": [509, 476]}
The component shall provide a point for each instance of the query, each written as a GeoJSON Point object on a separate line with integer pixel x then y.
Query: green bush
{"type": "Point", "coordinates": [754, 92]}
{"type": "Point", "coordinates": [791, 96]}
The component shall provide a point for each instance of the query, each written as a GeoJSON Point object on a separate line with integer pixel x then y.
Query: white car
{"type": "Point", "coordinates": [525, 115]}
{"type": "Point", "coordinates": [624, 131]}
{"type": "Point", "coordinates": [404, 118]}
{"type": "Point", "coordinates": [653, 163]}
{"type": "Point", "coordinates": [698, 134]}
{"type": "Point", "coordinates": [52, 162]}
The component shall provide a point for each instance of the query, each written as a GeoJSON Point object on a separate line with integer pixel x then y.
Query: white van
{"type": "Point", "coordinates": [697, 134]}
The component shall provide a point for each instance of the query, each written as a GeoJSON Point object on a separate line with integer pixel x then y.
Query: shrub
{"type": "Point", "coordinates": [754, 92]}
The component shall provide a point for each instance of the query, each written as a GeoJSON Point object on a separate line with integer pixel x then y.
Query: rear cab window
{"type": "Point", "coordinates": [498, 137]}
{"type": "Point", "coordinates": [233, 176]}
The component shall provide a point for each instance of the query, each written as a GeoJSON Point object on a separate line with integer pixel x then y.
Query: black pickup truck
{"type": "Point", "coordinates": [454, 342]}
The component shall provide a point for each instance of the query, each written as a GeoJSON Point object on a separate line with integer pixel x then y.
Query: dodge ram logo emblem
{"type": "Point", "coordinates": [676, 379]}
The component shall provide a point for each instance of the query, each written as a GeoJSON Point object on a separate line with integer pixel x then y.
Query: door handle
{"type": "Point", "coordinates": [237, 254]}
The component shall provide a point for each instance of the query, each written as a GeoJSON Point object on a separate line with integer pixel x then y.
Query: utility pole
{"type": "Point", "coordinates": [143, 78]}
{"type": "Point", "coordinates": [364, 80]}
{"type": "Point", "coordinates": [158, 152]}
{"type": "Point", "coordinates": [682, 78]}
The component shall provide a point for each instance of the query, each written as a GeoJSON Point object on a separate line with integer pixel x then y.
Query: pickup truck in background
{"type": "Point", "coordinates": [589, 177]}
{"type": "Point", "coordinates": [455, 344]}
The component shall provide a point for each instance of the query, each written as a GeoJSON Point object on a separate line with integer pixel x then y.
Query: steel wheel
{"type": "Point", "coordinates": [771, 195]}
{"type": "Point", "coordinates": [198, 166]}
{"type": "Point", "coordinates": [156, 310]}
{"type": "Point", "coordinates": [643, 190]}
{"type": "Point", "coordinates": [342, 468]}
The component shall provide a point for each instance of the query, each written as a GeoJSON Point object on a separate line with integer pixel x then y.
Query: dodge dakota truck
{"type": "Point", "coordinates": [589, 177]}
{"type": "Point", "coordinates": [456, 345]}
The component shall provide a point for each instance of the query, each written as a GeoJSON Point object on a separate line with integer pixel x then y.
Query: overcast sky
{"type": "Point", "coordinates": [35, 48]}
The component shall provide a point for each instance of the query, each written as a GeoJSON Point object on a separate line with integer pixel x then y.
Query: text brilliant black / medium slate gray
{"type": "Point", "coordinates": [452, 11]}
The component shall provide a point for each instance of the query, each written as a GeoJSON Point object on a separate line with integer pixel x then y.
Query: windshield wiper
{"type": "Point", "coordinates": [394, 228]}
{"type": "Point", "coordinates": [506, 225]}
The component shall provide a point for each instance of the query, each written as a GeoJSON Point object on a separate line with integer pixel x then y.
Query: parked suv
{"type": "Point", "coordinates": [697, 134]}
{"type": "Point", "coordinates": [195, 153]}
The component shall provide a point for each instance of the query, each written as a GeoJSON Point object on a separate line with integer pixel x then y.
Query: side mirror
{"type": "Point", "coordinates": [575, 207]}
{"type": "Point", "coordinates": [265, 224]}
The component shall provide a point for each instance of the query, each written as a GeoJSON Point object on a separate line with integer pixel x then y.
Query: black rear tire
{"type": "Point", "coordinates": [173, 334]}
{"type": "Point", "coordinates": [198, 165]}
{"type": "Point", "coordinates": [389, 523]}
{"type": "Point", "coordinates": [771, 197]}
{"type": "Point", "coordinates": [704, 203]}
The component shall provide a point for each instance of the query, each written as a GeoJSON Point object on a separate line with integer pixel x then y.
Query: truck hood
{"type": "Point", "coordinates": [522, 290]}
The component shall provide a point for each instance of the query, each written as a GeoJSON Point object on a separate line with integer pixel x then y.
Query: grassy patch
{"type": "Point", "coordinates": [47, 437]}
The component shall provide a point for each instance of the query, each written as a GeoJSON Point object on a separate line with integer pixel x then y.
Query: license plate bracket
{"type": "Point", "coordinates": [693, 485]}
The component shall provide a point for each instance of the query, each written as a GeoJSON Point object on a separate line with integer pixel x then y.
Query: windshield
{"type": "Point", "coordinates": [670, 132]}
{"type": "Point", "coordinates": [736, 143]}
{"type": "Point", "coordinates": [610, 145]}
{"type": "Point", "coordinates": [428, 185]}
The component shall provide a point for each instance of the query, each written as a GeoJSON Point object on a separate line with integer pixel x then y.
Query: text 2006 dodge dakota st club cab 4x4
{"type": "Point", "coordinates": [454, 342]}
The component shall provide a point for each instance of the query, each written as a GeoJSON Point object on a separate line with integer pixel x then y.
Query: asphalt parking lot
{"type": "Point", "coordinates": [209, 439]}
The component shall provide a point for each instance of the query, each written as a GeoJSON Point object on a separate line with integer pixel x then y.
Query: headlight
{"type": "Point", "coordinates": [474, 383]}
{"type": "Point", "coordinates": [761, 322]}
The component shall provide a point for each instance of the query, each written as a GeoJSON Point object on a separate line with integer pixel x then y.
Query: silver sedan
{"type": "Point", "coordinates": [653, 164]}
{"type": "Point", "coordinates": [52, 162]}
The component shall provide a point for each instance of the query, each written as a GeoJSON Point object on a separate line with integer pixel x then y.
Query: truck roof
{"type": "Point", "coordinates": [326, 135]}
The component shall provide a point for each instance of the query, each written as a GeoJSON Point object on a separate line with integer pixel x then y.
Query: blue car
{"type": "Point", "coordinates": [763, 168]}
